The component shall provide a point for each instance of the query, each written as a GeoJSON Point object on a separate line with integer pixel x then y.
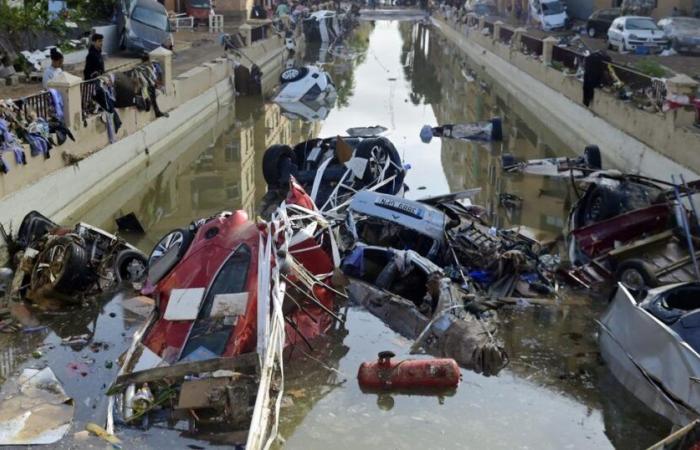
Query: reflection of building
{"type": "Point", "coordinates": [465, 95]}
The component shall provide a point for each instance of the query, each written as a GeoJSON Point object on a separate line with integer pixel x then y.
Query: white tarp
{"type": "Point", "coordinates": [34, 409]}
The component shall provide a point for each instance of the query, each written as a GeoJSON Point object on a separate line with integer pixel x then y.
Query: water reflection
{"type": "Point", "coordinates": [555, 394]}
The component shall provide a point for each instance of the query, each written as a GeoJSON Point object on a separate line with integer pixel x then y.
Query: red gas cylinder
{"type": "Point", "coordinates": [410, 374]}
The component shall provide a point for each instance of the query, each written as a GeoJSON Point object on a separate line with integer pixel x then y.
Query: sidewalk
{"type": "Point", "coordinates": [192, 49]}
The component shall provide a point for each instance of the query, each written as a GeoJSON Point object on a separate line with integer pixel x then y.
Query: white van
{"type": "Point", "coordinates": [548, 14]}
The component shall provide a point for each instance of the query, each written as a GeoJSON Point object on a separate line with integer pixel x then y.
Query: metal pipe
{"type": "Point", "coordinates": [686, 228]}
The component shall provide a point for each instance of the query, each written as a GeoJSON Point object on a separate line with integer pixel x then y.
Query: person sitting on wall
{"type": "Point", "coordinates": [94, 62]}
{"type": "Point", "coordinates": [258, 12]}
{"type": "Point", "coordinates": [54, 69]}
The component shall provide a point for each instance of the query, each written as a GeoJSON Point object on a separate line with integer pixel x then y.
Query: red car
{"type": "Point", "coordinates": [207, 298]}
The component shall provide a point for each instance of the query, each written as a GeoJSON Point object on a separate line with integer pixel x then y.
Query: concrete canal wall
{"type": "Point", "coordinates": [653, 144]}
{"type": "Point", "coordinates": [78, 171]}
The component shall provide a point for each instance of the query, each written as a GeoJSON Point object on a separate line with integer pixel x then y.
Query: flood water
{"type": "Point", "coordinates": [556, 393]}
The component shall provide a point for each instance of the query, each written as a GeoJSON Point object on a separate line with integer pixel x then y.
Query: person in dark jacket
{"type": "Point", "coordinates": [94, 62]}
{"type": "Point", "coordinates": [595, 66]}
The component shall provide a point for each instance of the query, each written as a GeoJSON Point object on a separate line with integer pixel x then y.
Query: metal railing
{"type": "Point", "coordinates": [566, 57]}
{"type": "Point", "coordinates": [531, 44]}
{"type": "Point", "coordinates": [41, 103]}
{"type": "Point", "coordinates": [87, 94]}
{"type": "Point", "coordinates": [181, 22]}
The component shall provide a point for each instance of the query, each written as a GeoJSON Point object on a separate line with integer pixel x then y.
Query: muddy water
{"type": "Point", "coordinates": [555, 394]}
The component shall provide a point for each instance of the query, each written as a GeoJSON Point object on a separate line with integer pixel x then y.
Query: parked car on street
{"type": "Point", "coordinates": [599, 22]}
{"type": "Point", "coordinates": [682, 32]}
{"type": "Point", "coordinates": [548, 14]}
{"type": "Point", "coordinates": [143, 26]}
{"type": "Point", "coordinates": [636, 33]}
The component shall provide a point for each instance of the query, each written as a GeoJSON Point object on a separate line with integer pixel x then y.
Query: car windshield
{"type": "Point", "coordinates": [551, 8]}
{"type": "Point", "coordinates": [640, 24]}
{"type": "Point", "coordinates": [687, 24]}
{"type": "Point", "coordinates": [151, 18]}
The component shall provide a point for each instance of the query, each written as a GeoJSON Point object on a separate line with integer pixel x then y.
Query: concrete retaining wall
{"type": "Point", "coordinates": [56, 190]}
{"type": "Point", "coordinates": [658, 144]}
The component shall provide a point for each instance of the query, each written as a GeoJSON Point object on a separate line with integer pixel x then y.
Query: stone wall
{"type": "Point", "coordinates": [671, 134]}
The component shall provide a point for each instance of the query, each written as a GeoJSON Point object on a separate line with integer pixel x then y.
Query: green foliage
{"type": "Point", "coordinates": [651, 68]}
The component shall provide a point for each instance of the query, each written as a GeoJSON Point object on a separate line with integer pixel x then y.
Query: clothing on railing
{"type": "Point", "coordinates": [104, 96]}
{"type": "Point", "coordinates": [9, 143]}
{"type": "Point", "coordinates": [57, 102]}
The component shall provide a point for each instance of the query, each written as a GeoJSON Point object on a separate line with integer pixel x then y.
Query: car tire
{"type": "Point", "coordinates": [130, 266]}
{"type": "Point", "coordinates": [602, 204]}
{"type": "Point", "coordinates": [636, 275]}
{"type": "Point", "coordinates": [610, 46]}
{"type": "Point", "coordinates": [592, 158]}
{"type": "Point", "coordinates": [272, 162]}
{"type": "Point", "coordinates": [179, 237]}
{"type": "Point", "coordinates": [62, 266]}
{"type": "Point", "coordinates": [364, 150]}
{"type": "Point", "coordinates": [591, 32]}
{"type": "Point", "coordinates": [293, 74]}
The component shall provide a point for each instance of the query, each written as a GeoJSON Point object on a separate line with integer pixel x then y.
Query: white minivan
{"type": "Point", "coordinates": [548, 14]}
{"type": "Point", "coordinates": [637, 34]}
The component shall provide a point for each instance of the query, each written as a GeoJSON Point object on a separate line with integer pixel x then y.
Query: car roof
{"type": "Point", "coordinates": [635, 17]}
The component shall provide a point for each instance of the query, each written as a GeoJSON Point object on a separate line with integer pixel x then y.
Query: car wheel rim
{"type": "Point", "coordinates": [632, 279]}
{"type": "Point", "coordinates": [172, 240]}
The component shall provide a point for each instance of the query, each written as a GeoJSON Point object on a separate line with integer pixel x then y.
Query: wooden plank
{"type": "Point", "coordinates": [244, 361]}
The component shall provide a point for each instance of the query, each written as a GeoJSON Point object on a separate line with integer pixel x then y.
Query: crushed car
{"type": "Point", "coordinates": [491, 130]}
{"type": "Point", "coordinates": [71, 263]}
{"type": "Point", "coordinates": [226, 307]}
{"type": "Point", "coordinates": [334, 169]}
{"type": "Point", "coordinates": [652, 346]}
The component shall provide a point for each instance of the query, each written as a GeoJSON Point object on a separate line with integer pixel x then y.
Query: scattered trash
{"type": "Point", "coordinates": [103, 434]}
{"type": "Point", "coordinates": [35, 409]}
{"type": "Point", "coordinates": [385, 374]}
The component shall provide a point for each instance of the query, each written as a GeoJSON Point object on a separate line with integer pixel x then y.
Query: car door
{"type": "Point", "coordinates": [616, 32]}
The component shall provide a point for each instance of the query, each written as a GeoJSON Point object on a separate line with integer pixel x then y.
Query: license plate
{"type": "Point", "coordinates": [401, 207]}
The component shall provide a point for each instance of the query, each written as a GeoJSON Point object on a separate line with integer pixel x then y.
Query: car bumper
{"type": "Point", "coordinates": [654, 47]}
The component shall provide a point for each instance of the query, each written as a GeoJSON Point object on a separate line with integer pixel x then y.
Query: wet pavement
{"type": "Point", "coordinates": [556, 393]}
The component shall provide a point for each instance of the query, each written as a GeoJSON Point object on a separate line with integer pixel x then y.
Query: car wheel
{"type": "Point", "coordinates": [602, 204]}
{"type": "Point", "coordinates": [131, 266]}
{"type": "Point", "coordinates": [610, 45]}
{"type": "Point", "coordinates": [178, 238]}
{"type": "Point", "coordinates": [293, 74]}
{"type": "Point", "coordinates": [62, 267]}
{"type": "Point", "coordinates": [591, 32]}
{"type": "Point", "coordinates": [273, 161]}
{"type": "Point", "coordinates": [623, 46]}
{"type": "Point", "coordinates": [636, 275]}
{"type": "Point", "coordinates": [591, 155]}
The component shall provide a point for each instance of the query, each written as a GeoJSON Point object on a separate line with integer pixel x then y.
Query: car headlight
{"type": "Point", "coordinates": [634, 36]}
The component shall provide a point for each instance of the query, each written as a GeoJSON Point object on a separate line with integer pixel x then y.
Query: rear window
{"type": "Point", "coordinates": [155, 19]}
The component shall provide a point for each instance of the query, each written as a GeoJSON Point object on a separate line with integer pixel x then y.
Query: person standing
{"type": "Point", "coordinates": [54, 69]}
{"type": "Point", "coordinates": [282, 9]}
{"type": "Point", "coordinates": [94, 62]}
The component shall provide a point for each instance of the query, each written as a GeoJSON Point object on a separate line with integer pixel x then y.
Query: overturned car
{"type": "Point", "coordinates": [69, 263]}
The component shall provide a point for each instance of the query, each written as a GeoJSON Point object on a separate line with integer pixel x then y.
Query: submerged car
{"type": "Point", "coordinates": [682, 32]}
{"type": "Point", "coordinates": [652, 347]}
{"type": "Point", "coordinates": [305, 84]}
{"type": "Point", "coordinates": [334, 169]}
{"type": "Point", "coordinates": [321, 26]}
{"type": "Point", "coordinates": [226, 307]}
{"type": "Point", "coordinates": [143, 26]}
{"type": "Point", "coordinates": [637, 34]}
{"type": "Point", "coordinates": [68, 263]}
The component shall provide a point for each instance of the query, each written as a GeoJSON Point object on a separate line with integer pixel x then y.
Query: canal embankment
{"type": "Point", "coordinates": [655, 144]}
{"type": "Point", "coordinates": [195, 87]}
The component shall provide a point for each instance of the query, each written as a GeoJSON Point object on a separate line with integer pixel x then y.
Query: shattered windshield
{"type": "Point", "coordinates": [641, 24]}
{"type": "Point", "coordinates": [552, 8]}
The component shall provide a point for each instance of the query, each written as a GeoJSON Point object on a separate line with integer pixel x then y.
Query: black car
{"type": "Point", "coordinates": [600, 21]}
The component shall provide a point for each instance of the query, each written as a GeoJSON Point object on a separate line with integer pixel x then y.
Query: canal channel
{"type": "Point", "coordinates": [556, 393]}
